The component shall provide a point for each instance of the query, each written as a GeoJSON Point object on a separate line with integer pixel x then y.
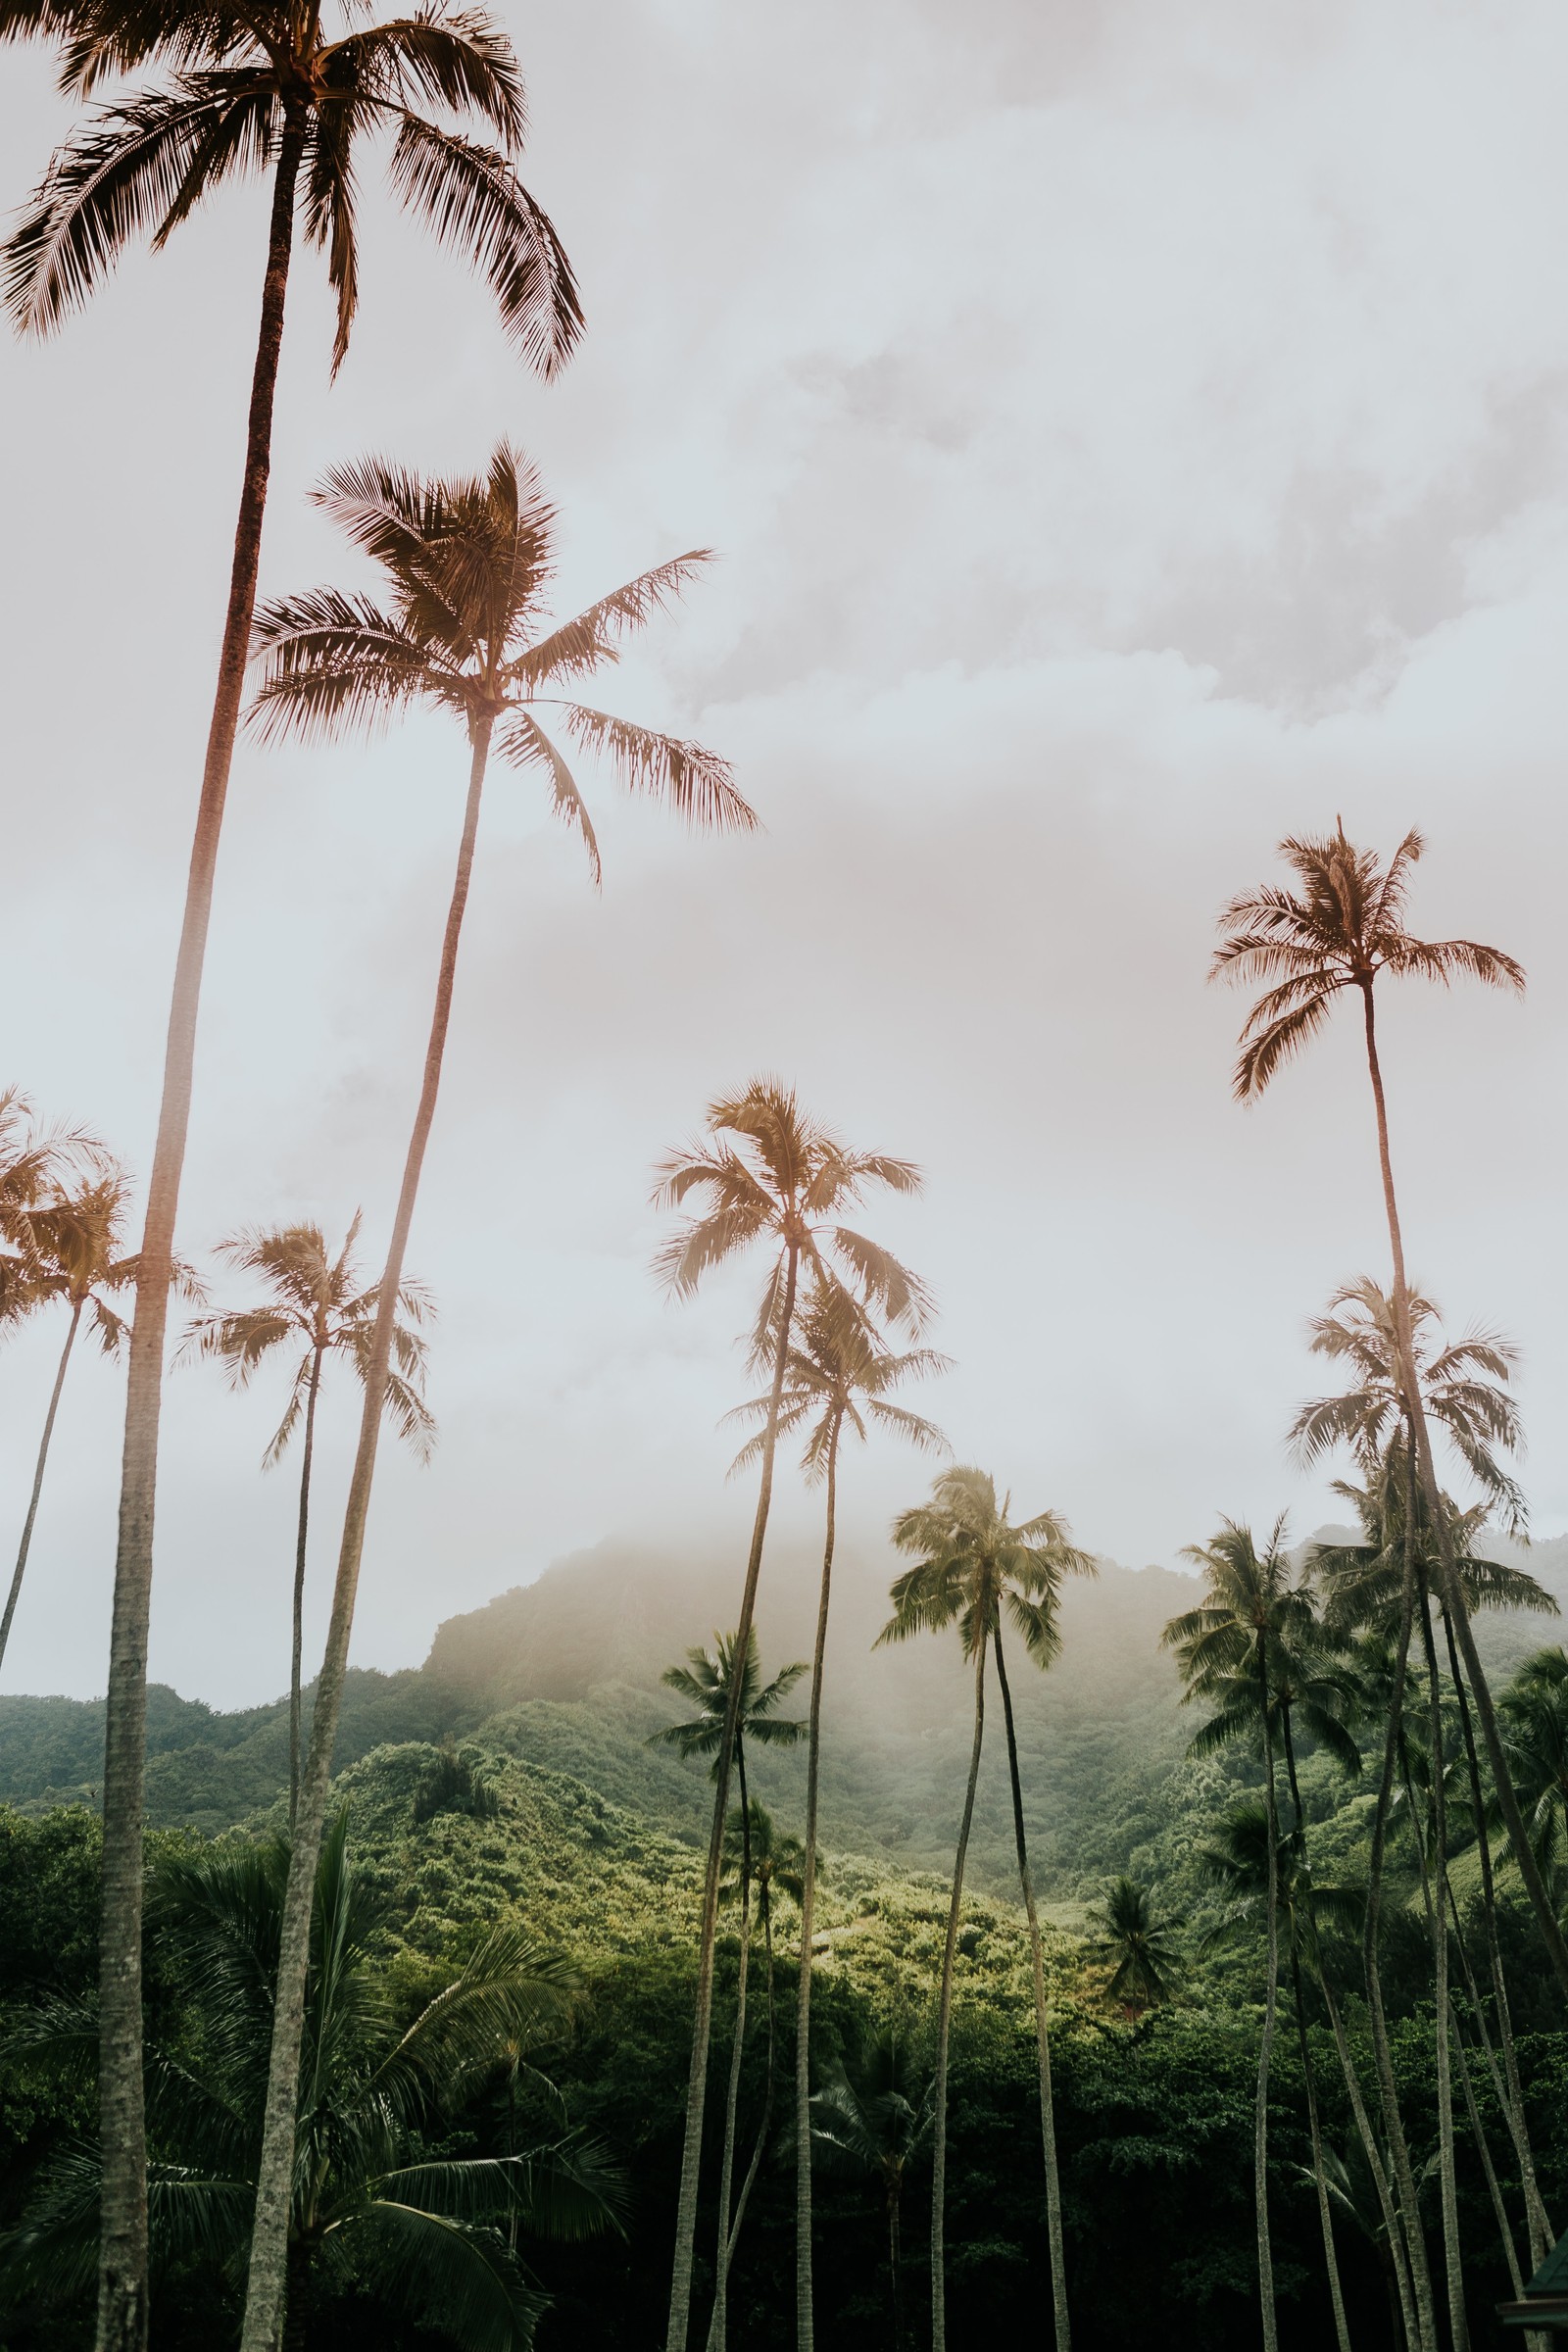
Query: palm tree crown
{"type": "Point", "coordinates": [1142, 1940]}
{"type": "Point", "coordinates": [466, 566]}
{"type": "Point", "coordinates": [773, 1174]}
{"type": "Point", "coordinates": [1463, 1388]}
{"type": "Point", "coordinates": [705, 1683]}
{"type": "Point", "coordinates": [973, 1561]}
{"type": "Point", "coordinates": [71, 1247]}
{"type": "Point", "coordinates": [837, 1371]}
{"type": "Point", "coordinates": [240, 86]}
{"type": "Point", "coordinates": [1343, 928]}
{"type": "Point", "coordinates": [316, 1303]}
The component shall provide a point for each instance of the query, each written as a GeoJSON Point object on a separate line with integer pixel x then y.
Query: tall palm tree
{"type": "Point", "coordinates": [757, 1854]}
{"type": "Point", "coordinates": [463, 628]}
{"type": "Point", "coordinates": [1464, 1388]}
{"type": "Point", "coordinates": [874, 2114]}
{"type": "Point", "coordinates": [1141, 1941]}
{"type": "Point", "coordinates": [437, 2235]}
{"type": "Point", "coordinates": [838, 1371]}
{"type": "Point", "coordinates": [1238, 1863]}
{"type": "Point", "coordinates": [70, 1249]}
{"type": "Point", "coordinates": [772, 1176]}
{"type": "Point", "coordinates": [705, 1682]}
{"type": "Point", "coordinates": [316, 1303]}
{"type": "Point", "coordinates": [275, 89]}
{"type": "Point", "coordinates": [1226, 1650]}
{"type": "Point", "coordinates": [1343, 929]}
{"type": "Point", "coordinates": [973, 1568]}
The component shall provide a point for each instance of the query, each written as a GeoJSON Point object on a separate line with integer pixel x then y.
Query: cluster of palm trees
{"type": "Point", "coordinates": [1285, 1648]}
{"type": "Point", "coordinates": [198, 99]}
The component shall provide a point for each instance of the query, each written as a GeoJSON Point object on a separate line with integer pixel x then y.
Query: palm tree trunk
{"type": "Point", "coordinates": [25, 1546]}
{"type": "Point", "coordinates": [265, 2285]}
{"type": "Point", "coordinates": [804, 2327]}
{"type": "Point", "coordinates": [1331, 2260]}
{"type": "Point", "coordinates": [1483, 2150]}
{"type": "Point", "coordinates": [1394, 2251]}
{"type": "Point", "coordinates": [121, 2319]}
{"type": "Point", "coordinates": [1265, 2256]}
{"type": "Point", "coordinates": [938, 2132]}
{"type": "Point", "coordinates": [1452, 1592]}
{"type": "Point", "coordinates": [1438, 1922]}
{"type": "Point", "coordinates": [756, 2165]}
{"type": "Point", "coordinates": [680, 2285]}
{"type": "Point", "coordinates": [297, 1656]}
{"type": "Point", "coordinates": [1424, 2337]}
{"type": "Point", "coordinates": [726, 2175]}
{"type": "Point", "coordinates": [1542, 2235]}
{"type": "Point", "coordinates": [1047, 2120]}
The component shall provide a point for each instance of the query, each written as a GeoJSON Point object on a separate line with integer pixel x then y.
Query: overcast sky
{"type": "Point", "coordinates": [1132, 431]}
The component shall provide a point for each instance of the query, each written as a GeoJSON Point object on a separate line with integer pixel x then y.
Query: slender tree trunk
{"type": "Point", "coordinates": [805, 2336]}
{"type": "Point", "coordinates": [1424, 2335]}
{"type": "Point", "coordinates": [25, 1546]}
{"type": "Point", "coordinates": [265, 2285]}
{"type": "Point", "coordinates": [1542, 2235]}
{"type": "Point", "coordinates": [298, 1652]}
{"type": "Point", "coordinates": [1331, 2260]}
{"type": "Point", "coordinates": [939, 2131]}
{"type": "Point", "coordinates": [727, 2176]}
{"type": "Point", "coordinates": [680, 2285]}
{"type": "Point", "coordinates": [1453, 1590]}
{"type": "Point", "coordinates": [1438, 1922]}
{"type": "Point", "coordinates": [1484, 2151]}
{"type": "Point", "coordinates": [1325, 2213]}
{"type": "Point", "coordinates": [1399, 2264]}
{"type": "Point", "coordinates": [121, 2320]}
{"type": "Point", "coordinates": [755, 2167]}
{"type": "Point", "coordinates": [1048, 2118]}
{"type": "Point", "coordinates": [1265, 2255]}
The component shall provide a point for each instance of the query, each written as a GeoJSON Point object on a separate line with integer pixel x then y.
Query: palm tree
{"type": "Point", "coordinates": [973, 1566]}
{"type": "Point", "coordinates": [34, 1161]}
{"type": "Point", "coordinates": [1143, 1944]}
{"type": "Point", "coordinates": [1344, 929]}
{"type": "Point", "coordinates": [434, 2232]}
{"type": "Point", "coordinates": [1226, 1650]}
{"type": "Point", "coordinates": [706, 1684]}
{"type": "Point", "coordinates": [874, 2114]}
{"type": "Point", "coordinates": [267, 90]}
{"type": "Point", "coordinates": [768, 1174]}
{"type": "Point", "coordinates": [69, 1250]}
{"type": "Point", "coordinates": [314, 1303]}
{"type": "Point", "coordinates": [837, 1371]}
{"type": "Point", "coordinates": [756, 1854]}
{"type": "Point", "coordinates": [464, 565]}
{"type": "Point", "coordinates": [1463, 1387]}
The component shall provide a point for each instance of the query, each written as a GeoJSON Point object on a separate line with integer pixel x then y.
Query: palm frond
{"type": "Point", "coordinates": [697, 783]}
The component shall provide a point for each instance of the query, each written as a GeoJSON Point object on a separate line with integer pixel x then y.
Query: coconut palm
{"type": "Point", "coordinates": [1344, 929]}
{"type": "Point", "coordinates": [430, 2233]}
{"type": "Point", "coordinates": [838, 1373]}
{"type": "Point", "coordinates": [874, 2114]}
{"type": "Point", "coordinates": [770, 1176]}
{"type": "Point", "coordinates": [1225, 1650]}
{"type": "Point", "coordinates": [281, 91]}
{"type": "Point", "coordinates": [462, 627]}
{"type": "Point", "coordinates": [70, 1250]}
{"type": "Point", "coordinates": [757, 1854]}
{"type": "Point", "coordinates": [1367, 1588]}
{"type": "Point", "coordinates": [1141, 1941]}
{"type": "Point", "coordinates": [706, 1684]}
{"type": "Point", "coordinates": [34, 1163]}
{"type": "Point", "coordinates": [316, 1303]}
{"type": "Point", "coordinates": [973, 1567]}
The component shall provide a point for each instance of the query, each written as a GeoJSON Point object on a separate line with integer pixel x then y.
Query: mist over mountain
{"type": "Point", "coordinates": [564, 1674]}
